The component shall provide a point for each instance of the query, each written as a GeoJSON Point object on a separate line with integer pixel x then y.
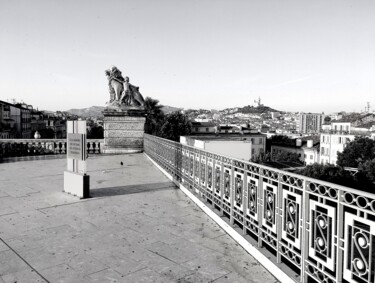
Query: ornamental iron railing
{"type": "Point", "coordinates": [29, 147]}
{"type": "Point", "coordinates": [315, 230]}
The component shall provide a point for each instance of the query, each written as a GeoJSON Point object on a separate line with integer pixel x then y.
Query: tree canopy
{"type": "Point", "coordinates": [96, 132]}
{"type": "Point", "coordinates": [338, 175]}
{"type": "Point", "coordinates": [47, 133]}
{"type": "Point", "coordinates": [285, 156]}
{"type": "Point", "coordinates": [261, 158]}
{"type": "Point", "coordinates": [174, 126]}
{"type": "Point", "coordinates": [368, 169]}
{"type": "Point", "coordinates": [357, 152]}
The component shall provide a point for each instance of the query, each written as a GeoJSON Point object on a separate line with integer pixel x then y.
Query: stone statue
{"type": "Point", "coordinates": [121, 91]}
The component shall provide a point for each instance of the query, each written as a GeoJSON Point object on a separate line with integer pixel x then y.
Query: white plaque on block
{"type": "Point", "coordinates": [76, 146]}
{"type": "Point", "coordinates": [76, 181]}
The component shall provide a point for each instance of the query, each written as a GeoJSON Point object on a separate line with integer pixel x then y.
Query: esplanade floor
{"type": "Point", "coordinates": [137, 227]}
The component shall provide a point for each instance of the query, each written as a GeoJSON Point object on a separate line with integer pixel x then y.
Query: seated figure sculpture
{"type": "Point", "coordinates": [122, 93]}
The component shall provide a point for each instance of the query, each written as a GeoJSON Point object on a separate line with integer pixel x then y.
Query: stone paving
{"type": "Point", "coordinates": [137, 227]}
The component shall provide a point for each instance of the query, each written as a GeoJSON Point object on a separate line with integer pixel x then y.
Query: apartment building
{"type": "Point", "coordinates": [310, 123]}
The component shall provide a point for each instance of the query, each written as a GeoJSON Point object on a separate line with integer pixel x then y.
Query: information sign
{"type": "Point", "coordinates": [76, 146]}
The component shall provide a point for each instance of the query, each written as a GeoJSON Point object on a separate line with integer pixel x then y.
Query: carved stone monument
{"type": "Point", "coordinates": [124, 117]}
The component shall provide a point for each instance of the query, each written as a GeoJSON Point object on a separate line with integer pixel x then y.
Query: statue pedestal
{"type": "Point", "coordinates": [123, 130]}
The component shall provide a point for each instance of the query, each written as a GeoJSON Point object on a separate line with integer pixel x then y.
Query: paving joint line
{"type": "Point", "coordinates": [24, 260]}
{"type": "Point", "coordinates": [220, 277]}
{"type": "Point", "coordinates": [163, 256]}
{"type": "Point", "coordinates": [6, 214]}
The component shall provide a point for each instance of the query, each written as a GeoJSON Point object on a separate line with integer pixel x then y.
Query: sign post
{"type": "Point", "coordinates": [76, 181]}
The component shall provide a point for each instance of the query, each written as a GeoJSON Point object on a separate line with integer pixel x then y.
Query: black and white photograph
{"type": "Point", "coordinates": [187, 141]}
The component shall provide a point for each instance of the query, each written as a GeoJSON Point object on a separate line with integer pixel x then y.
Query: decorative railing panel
{"type": "Point", "coordinates": [318, 231]}
{"type": "Point", "coordinates": [29, 147]}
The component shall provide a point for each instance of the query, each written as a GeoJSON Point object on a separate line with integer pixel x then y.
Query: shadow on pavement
{"type": "Point", "coordinates": [31, 158]}
{"type": "Point", "coordinates": [131, 189]}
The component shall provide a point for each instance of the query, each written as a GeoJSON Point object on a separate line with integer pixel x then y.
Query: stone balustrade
{"type": "Point", "coordinates": [313, 230]}
{"type": "Point", "coordinates": [29, 147]}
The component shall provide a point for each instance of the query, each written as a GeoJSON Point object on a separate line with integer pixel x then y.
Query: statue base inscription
{"type": "Point", "coordinates": [123, 129]}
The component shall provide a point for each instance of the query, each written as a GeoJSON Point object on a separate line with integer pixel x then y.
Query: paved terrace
{"type": "Point", "coordinates": [137, 227]}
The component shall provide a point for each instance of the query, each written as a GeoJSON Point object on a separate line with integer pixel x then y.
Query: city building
{"type": "Point", "coordinates": [6, 123]}
{"type": "Point", "coordinates": [310, 123]}
{"type": "Point", "coordinates": [202, 127]}
{"type": "Point", "coordinates": [331, 144]}
{"type": "Point", "coordinates": [240, 146]}
{"type": "Point", "coordinates": [15, 121]}
{"type": "Point", "coordinates": [335, 138]}
{"type": "Point", "coordinates": [275, 115]}
{"type": "Point", "coordinates": [37, 121]}
{"type": "Point", "coordinates": [57, 125]}
{"type": "Point", "coordinates": [307, 149]}
{"type": "Point", "coordinates": [21, 121]}
{"type": "Point", "coordinates": [25, 122]}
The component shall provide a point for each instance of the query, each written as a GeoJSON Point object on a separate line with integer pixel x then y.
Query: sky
{"type": "Point", "coordinates": [311, 56]}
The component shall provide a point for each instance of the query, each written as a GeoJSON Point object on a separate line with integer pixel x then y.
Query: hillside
{"type": "Point", "coordinates": [93, 111]}
{"type": "Point", "coordinates": [260, 109]}
{"type": "Point", "coordinates": [169, 109]}
{"type": "Point", "coordinates": [96, 111]}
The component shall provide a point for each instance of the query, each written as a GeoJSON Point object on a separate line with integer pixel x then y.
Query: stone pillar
{"type": "Point", "coordinates": [123, 130]}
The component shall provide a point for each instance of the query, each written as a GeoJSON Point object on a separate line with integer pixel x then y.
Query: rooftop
{"type": "Point", "coordinates": [137, 227]}
{"type": "Point", "coordinates": [225, 137]}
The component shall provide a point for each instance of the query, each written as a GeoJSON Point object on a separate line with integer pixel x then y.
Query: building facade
{"type": "Point", "coordinates": [307, 150]}
{"type": "Point", "coordinates": [21, 121]}
{"type": "Point", "coordinates": [198, 127]}
{"type": "Point", "coordinates": [335, 138]}
{"type": "Point", "coordinates": [240, 146]}
{"type": "Point", "coordinates": [331, 144]}
{"type": "Point", "coordinates": [310, 123]}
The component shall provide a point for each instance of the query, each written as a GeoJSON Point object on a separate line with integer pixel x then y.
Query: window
{"type": "Point", "coordinates": [311, 156]}
{"type": "Point", "coordinates": [252, 151]}
{"type": "Point", "coordinates": [304, 156]}
{"type": "Point", "coordinates": [206, 129]}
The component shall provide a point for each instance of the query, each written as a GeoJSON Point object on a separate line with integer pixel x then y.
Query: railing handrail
{"type": "Point", "coordinates": [325, 183]}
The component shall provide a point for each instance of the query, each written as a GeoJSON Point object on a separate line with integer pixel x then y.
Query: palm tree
{"type": "Point", "coordinates": [154, 116]}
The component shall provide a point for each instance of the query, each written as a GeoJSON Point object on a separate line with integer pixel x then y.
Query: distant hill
{"type": "Point", "coordinates": [96, 111]}
{"type": "Point", "coordinates": [93, 111]}
{"type": "Point", "coordinates": [250, 109]}
{"type": "Point", "coordinates": [260, 109]}
{"type": "Point", "coordinates": [169, 109]}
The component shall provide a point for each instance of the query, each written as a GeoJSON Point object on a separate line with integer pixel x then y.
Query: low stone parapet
{"type": "Point", "coordinates": [29, 147]}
